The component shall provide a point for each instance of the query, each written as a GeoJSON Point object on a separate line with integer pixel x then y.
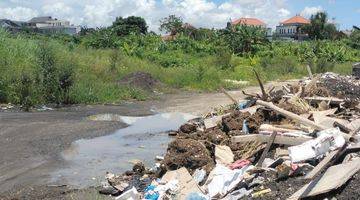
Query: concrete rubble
{"type": "Point", "coordinates": [295, 142]}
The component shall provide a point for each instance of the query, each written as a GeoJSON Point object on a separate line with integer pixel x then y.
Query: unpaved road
{"type": "Point", "coordinates": [31, 143]}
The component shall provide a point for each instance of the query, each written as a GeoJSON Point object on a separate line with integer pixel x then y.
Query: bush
{"type": "Point", "coordinates": [323, 65]}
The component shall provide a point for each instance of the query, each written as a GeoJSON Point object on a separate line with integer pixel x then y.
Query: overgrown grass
{"type": "Point", "coordinates": [37, 71]}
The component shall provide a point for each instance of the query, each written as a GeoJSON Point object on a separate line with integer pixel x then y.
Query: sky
{"type": "Point", "coordinates": [199, 13]}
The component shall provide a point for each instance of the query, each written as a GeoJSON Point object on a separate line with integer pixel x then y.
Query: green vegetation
{"type": "Point", "coordinates": [37, 69]}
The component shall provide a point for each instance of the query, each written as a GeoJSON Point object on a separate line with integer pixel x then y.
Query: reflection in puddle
{"type": "Point", "coordinates": [146, 137]}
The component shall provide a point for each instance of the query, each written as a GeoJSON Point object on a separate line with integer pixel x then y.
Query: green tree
{"type": "Point", "coordinates": [125, 26]}
{"type": "Point", "coordinates": [319, 28]}
{"type": "Point", "coordinates": [354, 40]}
{"type": "Point", "coordinates": [244, 39]}
{"type": "Point", "coordinates": [171, 24]}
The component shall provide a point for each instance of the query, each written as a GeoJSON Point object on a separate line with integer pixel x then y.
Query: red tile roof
{"type": "Point", "coordinates": [248, 21]}
{"type": "Point", "coordinates": [296, 20]}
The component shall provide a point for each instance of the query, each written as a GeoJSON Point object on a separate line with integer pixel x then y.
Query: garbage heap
{"type": "Point", "coordinates": [294, 142]}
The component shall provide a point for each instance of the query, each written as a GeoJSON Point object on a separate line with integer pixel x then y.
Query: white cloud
{"type": "Point", "coordinates": [200, 13]}
{"type": "Point", "coordinates": [358, 10]}
{"type": "Point", "coordinates": [18, 13]}
{"type": "Point", "coordinates": [59, 8]}
{"type": "Point", "coordinates": [308, 11]}
{"type": "Point", "coordinates": [283, 12]}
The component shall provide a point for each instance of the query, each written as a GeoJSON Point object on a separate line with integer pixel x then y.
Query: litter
{"type": "Point", "coordinates": [293, 133]}
{"type": "Point", "coordinates": [223, 155]}
{"type": "Point", "coordinates": [222, 180]}
{"type": "Point", "coordinates": [260, 193]}
{"type": "Point", "coordinates": [327, 140]}
{"type": "Point", "coordinates": [239, 164]}
{"type": "Point", "coordinates": [131, 194]}
{"type": "Point", "coordinates": [186, 184]}
{"type": "Point", "coordinates": [199, 175]}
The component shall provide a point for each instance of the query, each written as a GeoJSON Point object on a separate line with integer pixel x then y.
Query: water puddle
{"type": "Point", "coordinates": [143, 139]}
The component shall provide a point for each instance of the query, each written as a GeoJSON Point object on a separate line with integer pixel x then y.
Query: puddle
{"type": "Point", "coordinates": [144, 138]}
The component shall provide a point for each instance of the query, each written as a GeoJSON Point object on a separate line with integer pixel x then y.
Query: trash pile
{"type": "Point", "coordinates": [298, 141]}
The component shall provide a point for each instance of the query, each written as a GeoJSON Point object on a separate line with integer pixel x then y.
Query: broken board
{"type": "Point", "coordinates": [333, 178]}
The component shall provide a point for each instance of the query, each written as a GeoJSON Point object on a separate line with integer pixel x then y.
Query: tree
{"type": "Point", "coordinates": [354, 40]}
{"type": "Point", "coordinates": [125, 26]}
{"type": "Point", "coordinates": [244, 39]}
{"type": "Point", "coordinates": [319, 28]}
{"type": "Point", "coordinates": [171, 24]}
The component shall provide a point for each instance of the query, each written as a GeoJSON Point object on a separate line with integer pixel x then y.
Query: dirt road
{"type": "Point", "coordinates": [30, 143]}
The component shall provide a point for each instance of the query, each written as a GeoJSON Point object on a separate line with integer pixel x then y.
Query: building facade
{"type": "Point", "coordinates": [49, 25]}
{"type": "Point", "coordinates": [44, 25]}
{"type": "Point", "coordinates": [252, 22]}
{"type": "Point", "coordinates": [291, 28]}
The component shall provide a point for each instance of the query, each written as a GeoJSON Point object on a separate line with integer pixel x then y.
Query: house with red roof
{"type": "Point", "coordinates": [249, 22]}
{"type": "Point", "coordinates": [252, 22]}
{"type": "Point", "coordinates": [291, 28]}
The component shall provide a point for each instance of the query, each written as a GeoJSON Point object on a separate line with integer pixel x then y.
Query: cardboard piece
{"type": "Point", "coordinates": [223, 155]}
{"type": "Point", "coordinates": [186, 183]}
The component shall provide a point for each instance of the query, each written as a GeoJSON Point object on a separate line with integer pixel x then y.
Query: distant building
{"type": "Point", "coordinates": [291, 28]}
{"type": "Point", "coordinates": [12, 26]}
{"type": "Point", "coordinates": [49, 25]}
{"type": "Point", "coordinates": [46, 25]}
{"type": "Point", "coordinates": [252, 22]}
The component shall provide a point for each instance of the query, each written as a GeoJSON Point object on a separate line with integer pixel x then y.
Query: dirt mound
{"type": "Point", "coordinates": [236, 120]}
{"type": "Point", "coordinates": [188, 128]}
{"type": "Point", "coordinates": [140, 80]}
{"type": "Point", "coordinates": [342, 86]}
{"type": "Point", "coordinates": [187, 153]}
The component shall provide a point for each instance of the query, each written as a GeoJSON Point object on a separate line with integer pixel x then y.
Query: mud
{"type": "Point", "coordinates": [140, 80]}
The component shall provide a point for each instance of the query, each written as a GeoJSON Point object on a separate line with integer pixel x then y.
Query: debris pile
{"type": "Point", "coordinates": [297, 141]}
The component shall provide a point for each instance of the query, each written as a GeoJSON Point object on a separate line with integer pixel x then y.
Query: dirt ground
{"type": "Point", "coordinates": [31, 143]}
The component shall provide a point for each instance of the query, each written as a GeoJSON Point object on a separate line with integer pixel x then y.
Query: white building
{"type": "Point", "coordinates": [291, 28]}
{"type": "Point", "coordinates": [49, 25]}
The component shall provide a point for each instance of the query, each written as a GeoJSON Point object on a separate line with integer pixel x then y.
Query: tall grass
{"type": "Point", "coordinates": [45, 70]}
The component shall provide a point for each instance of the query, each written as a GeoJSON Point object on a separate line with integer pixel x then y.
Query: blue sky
{"type": "Point", "coordinates": [200, 13]}
{"type": "Point", "coordinates": [345, 12]}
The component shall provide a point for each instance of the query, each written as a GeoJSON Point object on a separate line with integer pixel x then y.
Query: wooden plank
{"type": "Point", "coordinates": [319, 167]}
{"type": "Point", "coordinates": [329, 159]}
{"type": "Point", "coordinates": [267, 148]}
{"type": "Point", "coordinates": [229, 96]}
{"type": "Point", "coordinates": [309, 71]}
{"type": "Point", "coordinates": [332, 179]}
{"type": "Point", "coordinates": [279, 139]}
{"type": "Point", "coordinates": [264, 94]}
{"type": "Point", "coordinates": [327, 99]}
{"type": "Point", "coordinates": [291, 115]}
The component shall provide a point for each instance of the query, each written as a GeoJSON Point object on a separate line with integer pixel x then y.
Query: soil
{"type": "Point", "coordinates": [236, 120]}
{"type": "Point", "coordinates": [341, 87]}
{"type": "Point", "coordinates": [188, 153]}
{"type": "Point", "coordinates": [187, 128]}
{"type": "Point", "coordinates": [140, 80]}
